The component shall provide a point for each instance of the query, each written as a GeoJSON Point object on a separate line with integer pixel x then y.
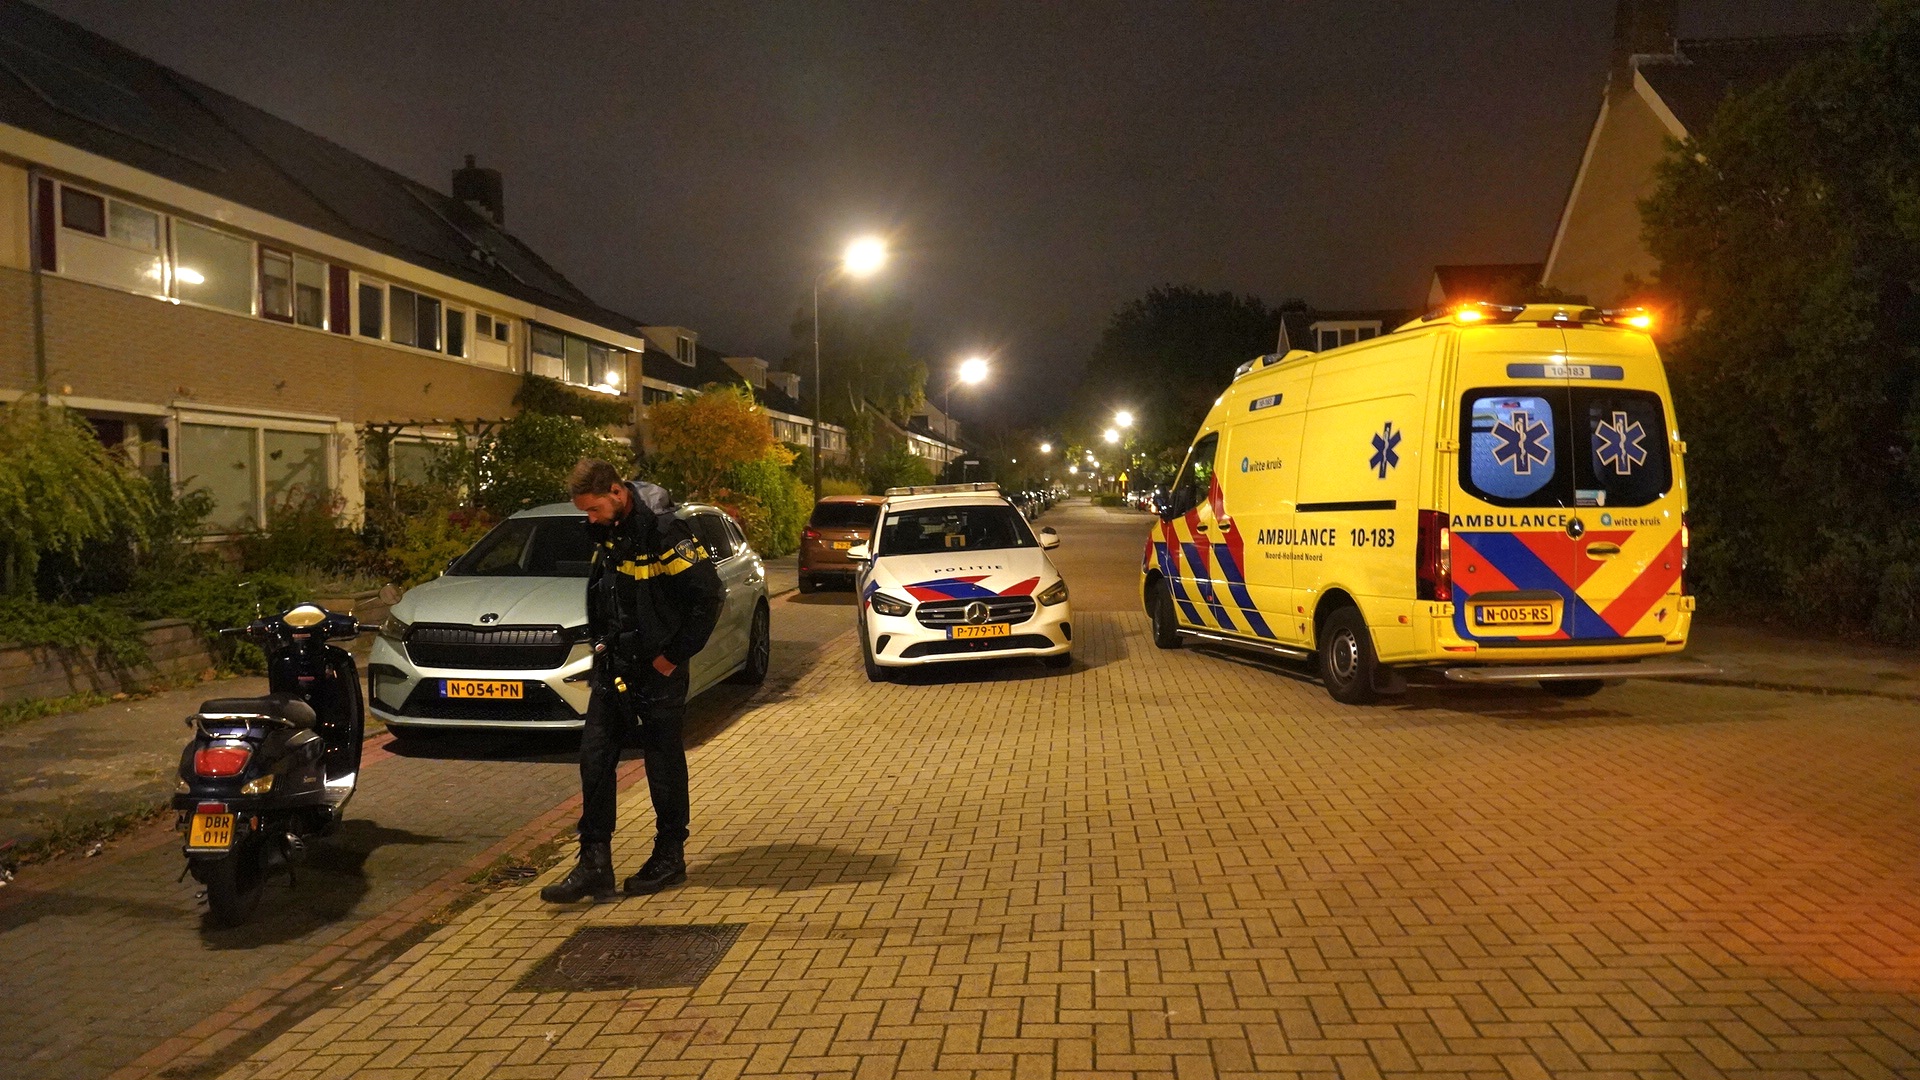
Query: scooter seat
{"type": "Point", "coordinates": [278, 706]}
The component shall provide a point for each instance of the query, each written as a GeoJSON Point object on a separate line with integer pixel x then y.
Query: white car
{"type": "Point", "coordinates": [500, 639]}
{"type": "Point", "coordinates": [955, 573]}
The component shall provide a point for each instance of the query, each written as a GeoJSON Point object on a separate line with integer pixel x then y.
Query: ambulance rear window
{"type": "Point", "coordinates": [1626, 460]}
{"type": "Point", "coordinates": [1513, 453]}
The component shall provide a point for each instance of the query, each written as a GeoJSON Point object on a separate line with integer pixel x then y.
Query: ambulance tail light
{"type": "Point", "coordinates": [1686, 548]}
{"type": "Point", "coordinates": [1435, 567]}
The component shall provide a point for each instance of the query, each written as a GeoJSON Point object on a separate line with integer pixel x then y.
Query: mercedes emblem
{"type": "Point", "coordinates": [976, 613]}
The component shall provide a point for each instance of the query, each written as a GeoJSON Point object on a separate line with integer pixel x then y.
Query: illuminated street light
{"type": "Point", "coordinates": [1123, 419]}
{"type": "Point", "coordinates": [1074, 470]}
{"type": "Point", "coordinates": [1046, 448]}
{"type": "Point", "coordinates": [864, 257]}
{"type": "Point", "coordinates": [1111, 435]}
{"type": "Point", "coordinates": [973, 370]}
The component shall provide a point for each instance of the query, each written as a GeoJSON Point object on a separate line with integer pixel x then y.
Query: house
{"type": "Point", "coordinates": [237, 301]}
{"type": "Point", "coordinates": [1315, 330]}
{"type": "Point", "coordinates": [1658, 88]}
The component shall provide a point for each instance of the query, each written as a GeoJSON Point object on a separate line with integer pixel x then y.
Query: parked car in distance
{"type": "Point", "coordinates": [500, 640]}
{"type": "Point", "coordinates": [838, 523]}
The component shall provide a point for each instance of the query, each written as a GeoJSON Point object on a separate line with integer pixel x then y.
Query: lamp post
{"type": "Point", "coordinates": [973, 372]}
{"type": "Point", "coordinates": [862, 259]}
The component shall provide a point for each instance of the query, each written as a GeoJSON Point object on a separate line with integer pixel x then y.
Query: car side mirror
{"type": "Point", "coordinates": [1049, 539]}
{"type": "Point", "coordinates": [860, 553]}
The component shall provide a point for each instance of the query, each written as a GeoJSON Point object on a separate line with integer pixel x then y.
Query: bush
{"type": "Point", "coordinates": [303, 533]}
{"type": "Point", "coordinates": [833, 485]}
{"type": "Point", "coordinates": [699, 441]}
{"type": "Point", "coordinates": [896, 467]}
{"type": "Point", "coordinates": [782, 499]}
{"type": "Point", "coordinates": [420, 546]}
{"type": "Point", "coordinates": [26, 621]}
{"type": "Point", "coordinates": [59, 490]}
{"type": "Point", "coordinates": [214, 601]}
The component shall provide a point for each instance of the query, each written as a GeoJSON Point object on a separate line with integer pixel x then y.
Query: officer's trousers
{"type": "Point", "coordinates": [659, 707]}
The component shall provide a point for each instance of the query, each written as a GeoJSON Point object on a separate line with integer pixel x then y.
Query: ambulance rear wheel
{"type": "Point", "coordinates": [1166, 629]}
{"type": "Point", "coordinates": [1347, 661]}
{"type": "Point", "coordinates": [1572, 688]}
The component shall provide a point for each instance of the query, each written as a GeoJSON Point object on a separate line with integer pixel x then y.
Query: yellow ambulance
{"type": "Point", "coordinates": [1491, 493]}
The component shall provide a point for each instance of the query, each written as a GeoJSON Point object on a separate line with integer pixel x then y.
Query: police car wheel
{"type": "Point", "coordinates": [1166, 630]}
{"type": "Point", "coordinates": [875, 673]}
{"type": "Point", "coordinates": [1347, 661]}
{"type": "Point", "coordinates": [1572, 688]}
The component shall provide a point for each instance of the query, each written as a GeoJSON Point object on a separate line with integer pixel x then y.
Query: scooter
{"type": "Point", "coordinates": [262, 776]}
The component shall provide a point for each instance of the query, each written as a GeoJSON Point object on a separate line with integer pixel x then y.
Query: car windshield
{"type": "Point", "coordinates": [844, 515]}
{"type": "Point", "coordinates": [931, 530]}
{"type": "Point", "coordinates": [529, 547]}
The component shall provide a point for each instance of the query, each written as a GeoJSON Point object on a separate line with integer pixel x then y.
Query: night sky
{"type": "Point", "coordinates": [1037, 164]}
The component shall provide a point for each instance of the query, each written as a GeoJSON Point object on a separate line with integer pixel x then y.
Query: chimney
{"type": "Point", "coordinates": [1642, 27]}
{"type": "Point", "coordinates": [482, 190]}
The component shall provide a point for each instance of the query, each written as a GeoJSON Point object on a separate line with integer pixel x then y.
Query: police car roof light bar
{"type": "Point", "coordinates": [942, 489]}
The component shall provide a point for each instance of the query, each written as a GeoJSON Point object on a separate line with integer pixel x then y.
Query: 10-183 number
{"type": "Point", "coordinates": [1371, 537]}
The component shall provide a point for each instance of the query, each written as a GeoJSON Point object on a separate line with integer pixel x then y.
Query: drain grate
{"type": "Point", "coordinates": [633, 958]}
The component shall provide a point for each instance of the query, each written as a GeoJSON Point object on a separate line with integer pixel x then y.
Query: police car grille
{"type": "Point", "coordinates": [508, 648]}
{"type": "Point", "coordinates": [1000, 609]}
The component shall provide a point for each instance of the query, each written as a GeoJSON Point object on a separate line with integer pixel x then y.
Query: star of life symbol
{"type": "Point", "coordinates": [1522, 443]}
{"type": "Point", "coordinates": [1386, 451]}
{"type": "Point", "coordinates": [1622, 444]}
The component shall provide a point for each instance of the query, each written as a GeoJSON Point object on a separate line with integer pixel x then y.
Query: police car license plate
{"type": "Point", "coordinates": [1536, 614]}
{"type": "Point", "coordinates": [961, 633]}
{"type": "Point", "coordinates": [484, 689]}
{"type": "Point", "coordinates": [211, 831]}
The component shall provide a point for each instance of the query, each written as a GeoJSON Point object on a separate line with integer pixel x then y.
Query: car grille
{"type": "Point", "coordinates": [1000, 609]}
{"type": "Point", "coordinates": [976, 645]}
{"type": "Point", "coordinates": [508, 648]}
{"type": "Point", "coordinates": [540, 705]}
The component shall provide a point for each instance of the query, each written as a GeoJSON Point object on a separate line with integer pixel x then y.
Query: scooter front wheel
{"type": "Point", "coordinates": [234, 884]}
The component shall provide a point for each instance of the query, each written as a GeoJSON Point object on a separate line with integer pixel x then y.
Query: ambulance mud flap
{"type": "Point", "coordinates": [1660, 669]}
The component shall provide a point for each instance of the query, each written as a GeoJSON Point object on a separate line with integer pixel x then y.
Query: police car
{"type": "Point", "coordinates": [954, 572]}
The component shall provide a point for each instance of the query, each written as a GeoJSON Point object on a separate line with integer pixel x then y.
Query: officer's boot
{"type": "Point", "coordinates": [666, 868]}
{"type": "Point", "coordinates": [591, 876]}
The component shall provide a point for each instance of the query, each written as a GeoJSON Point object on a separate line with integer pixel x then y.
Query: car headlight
{"type": "Point", "coordinates": [393, 630]}
{"type": "Point", "coordinates": [1055, 593]}
{"type": "Point", "coordinates": [888, 605]}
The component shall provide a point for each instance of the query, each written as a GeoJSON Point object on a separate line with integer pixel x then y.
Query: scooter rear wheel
{"type": "Point", "coordinates": [234, 884]}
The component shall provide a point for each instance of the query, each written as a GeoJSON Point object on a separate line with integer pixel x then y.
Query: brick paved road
{"type": "Point", "coordinates": [1188, 864]}
{"type": "Point", "coordinates": [101, 962]}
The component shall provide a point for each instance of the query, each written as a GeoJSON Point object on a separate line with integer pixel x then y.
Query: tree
{"type": "Point", "coordinates": [525, 461]}
{"type": "Point", "coordinates": [1168, 354]}
{"type": "Point", "coordinates": [1788, 235]}
{"type": "Point", "coordinates": [59, 489]}
{"type": "Point", "coordinates": [866, 356]}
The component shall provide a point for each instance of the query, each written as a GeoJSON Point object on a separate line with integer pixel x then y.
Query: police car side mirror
{"type": "Point", "coordinates": [1049, 539]}
{"type": "Point", "coordinates": [859, 553]}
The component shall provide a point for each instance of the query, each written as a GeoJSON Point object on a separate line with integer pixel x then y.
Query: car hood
{"type": "Point", "coordinates": [514, 601]}
{"type": "Point", "coordinates": [1007, 572]}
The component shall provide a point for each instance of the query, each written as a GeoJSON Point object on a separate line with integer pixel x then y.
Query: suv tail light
{"type": "Point", "coordinates": [1435, 567]}
{"type": "Point", "coordinates": [810, 533]}
{"type": "Point", "coordinates": [227, 759]}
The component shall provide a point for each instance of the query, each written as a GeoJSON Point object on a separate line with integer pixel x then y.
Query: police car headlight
{"type": "Point", "coordinates": [887, 605]}
{"type": "Point", "coordinates": [1055, 593]}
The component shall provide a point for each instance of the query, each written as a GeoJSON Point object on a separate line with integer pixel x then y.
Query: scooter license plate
{"type": "Point", "coordinates": [484, 689]}
{"type": "Point", "coordinates": [212, 831]}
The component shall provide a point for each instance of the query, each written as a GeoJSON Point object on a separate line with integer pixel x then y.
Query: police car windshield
{"type": "Point", "coordinates": [932, 530]}
{"type": "Point", "coordinates": [529, 547]}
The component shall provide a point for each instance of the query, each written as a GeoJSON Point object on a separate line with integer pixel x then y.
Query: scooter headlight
{"type": "Point", "coordinates": [888, 605]}
{"type": "Point", "coordinates": [1055, 593]}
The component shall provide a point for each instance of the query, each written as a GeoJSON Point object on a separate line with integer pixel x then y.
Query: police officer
{"type": "Point", "coordinates": [653, 597]}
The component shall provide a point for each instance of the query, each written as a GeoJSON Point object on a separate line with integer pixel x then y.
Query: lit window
{"type": "Point", "coordinates": [132, 226]}
{"type": "Point", "coordinates": [213, 268]}
{"type": "Point", "coordinates": [576, 369]}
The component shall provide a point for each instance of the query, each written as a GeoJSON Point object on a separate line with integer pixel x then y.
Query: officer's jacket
{"type": "Point", "coordinates": [653, 589]}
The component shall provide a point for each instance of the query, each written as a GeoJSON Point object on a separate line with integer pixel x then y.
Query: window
{"type": "Point", "coordinates": [373, 309]}
{"type": "Point", "coordinates": [529, 547]}
{"type": "Point", "coordinates": [653, 395]}
{"type": "Point", "coordinates": [548, 342]}
{"type": "Point", "coordinates": [426, 322]}
{"type": "Point", "coordinates": [482, 325]}
{"type": "Point", "coordinates": [456, 332]}
{"type": "Point", "coordinates": [1626, 463]}
{"type": "Point", "coordinates": [499, 329]}
{"type": "Point", "coordinates": [132, 226]}
{"type": "Point", "coordinates": [936, 530]}
{"type": "Point", "coordinates": [402, 307]}
{"type": "Point", "coordinates": [1347, 336]}
{"type": "Point", "coordinates": [276, 284]}
{"type": "Point", "coordinates": [83, 211]}
{"type": "Point", "coordinates": [576, 369]}
{"type": "Point", "coordinates": [1368, 332]}
{"type": "Point", "coordinates": [1196, 476]}
{"type": "Point", "coordinates": [844, 515]}
{"type": "Point", "coordinates": [411, 461]}
{"type": "Point", "coordinates": [683, 350]}
{"type": "Point", "coordinates": [221, 460]}
{"type": "Point", "coordinates": [1511, 457]}
{"type": "Point", "coordinates": [600, 366]}
{"type": "Point", "coordinates": [212, 268]}
{"type": "Point", "coordinates": [309, 292]}
{"type": "Point", "coordinates": [712, 531]}
{"type": "Point", "coordinates": [295, 468]}
{"type": "Point", "coordinates": [1329, 339]}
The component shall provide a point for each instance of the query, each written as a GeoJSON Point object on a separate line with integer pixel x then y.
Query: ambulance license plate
{"type": "Point", "coordinates": [964, 633]}
{"type": "Point", "coordinates": [483, 689]}
{"type": "Point", "coordinates": [1516, 614]}
{"type": "Point", "coordinates": [211, 831]}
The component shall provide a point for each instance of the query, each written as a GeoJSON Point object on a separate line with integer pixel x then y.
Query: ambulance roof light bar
{"type": "Point", "coordinates": [1475, 311]}
{"type": "Point", "coordinates": [1632, 318]}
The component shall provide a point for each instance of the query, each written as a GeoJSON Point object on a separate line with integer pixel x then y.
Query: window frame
{"type": "Point", "coordinates": [258, 425]}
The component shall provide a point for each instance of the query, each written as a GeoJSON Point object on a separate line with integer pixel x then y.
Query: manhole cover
{"type": "Point", "coordinates": [633, 958]}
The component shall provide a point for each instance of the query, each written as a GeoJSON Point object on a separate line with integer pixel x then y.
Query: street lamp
{"type": "Point", "coordinates": [973, 372]}
{"type": "Point", "coordinates": [863, 258]}
{"type": "Point", "coordinates": [1123, 419]}
{"type": "Point", "coordinates": [1046, 448]}
{"type": "Point", "coordinates": [1111, 435]}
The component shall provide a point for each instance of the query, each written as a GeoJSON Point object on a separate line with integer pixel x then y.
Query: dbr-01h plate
{"type": "Point", "coordinates": [633, 958]}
